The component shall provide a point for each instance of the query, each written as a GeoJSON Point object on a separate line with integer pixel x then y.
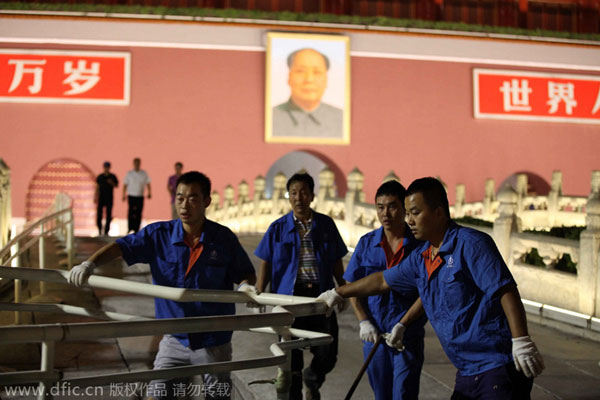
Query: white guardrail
{"type": "Point", "coordinates": [123, 325]}
{"type": "Point", "coordinates": [57, 221]}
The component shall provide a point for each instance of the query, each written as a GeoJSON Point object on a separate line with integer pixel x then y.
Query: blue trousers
{"type": "Point", "coordinates": [393, 374]}
{"type": "Point", "coordinates": [501, 383]}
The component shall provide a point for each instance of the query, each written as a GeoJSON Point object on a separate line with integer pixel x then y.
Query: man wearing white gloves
{"type": "Point", "coordinates": [193, 253]}
{"type": "Point", "coordinates": [469, 295]}
{"type": "Point", "coordinates": [393, 374]}
{"type": "Point", "coordinates": [302, 254]}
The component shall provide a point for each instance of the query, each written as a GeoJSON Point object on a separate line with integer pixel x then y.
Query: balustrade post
{"type": "Point", "coordinates": [391, 176]}
{"type": "Point", "coordinates": [554, 197]}
{"type": "Point", "coordinates": [259, 194]}
{"type": "Point", "coordinates": [354, 195]}
{"type": "Point", "coordinates": [507, 223]}
{"type": "Point", "coordinates": [522, 184]}
{"type": "Point", "coordinates": [243, 193]}
{"type": "Point", "coordinates": [326, 189]}
{"type": "Point", "coordinates": [489, 196]}
{"type": "Point", "coordinates": [595, 191]}
{"type": "Point", "coordinates": [588, 269]}
{"type": "Point", "coordinates": [279, 191]}
{"type": "Point", "coordinates": [459, 201]}
{"type": "Point", "coordinates": [212, 212]}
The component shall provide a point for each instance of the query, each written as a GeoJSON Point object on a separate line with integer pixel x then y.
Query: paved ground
{"type": "Point", "coordinates": [573, 369]}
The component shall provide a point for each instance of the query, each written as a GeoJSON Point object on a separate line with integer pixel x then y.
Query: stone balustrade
{"type": "Point", "coordinates": [512, 210]}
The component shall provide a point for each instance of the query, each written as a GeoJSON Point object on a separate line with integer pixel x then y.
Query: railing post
{"type": "Point", "coordinates": [14, 250]}
{"type": "Point", "coordinates": [459, 201]}
{"type": "Point", "coordinates": [588, 269]}
{"type": "Point", "coordinates": [507, 222]}
{"type": "Point", "coordinates": [489, 196]}
{"type": "Point", "coordinates": [554, 197]}
{"type": "Point", "coordinates": [326, 189]}
{"type": "Point", "coordinates": [354, 195]}
{"type": "Point", "coordinates": [522, 189]}
{"type": "Point", "coordinates": [47, 365]}
{"type": "Point", "coordinates": [284, 374]}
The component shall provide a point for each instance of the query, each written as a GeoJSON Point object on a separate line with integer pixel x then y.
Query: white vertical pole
{"type": "Point", "coordinates": [14, 250]}
{"type": "Point", "coordinates": [47, 365]}
{"type": "Point", "coordinates": [284, 375]}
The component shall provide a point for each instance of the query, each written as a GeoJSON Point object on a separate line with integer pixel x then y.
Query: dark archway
{"type": "Point", "coordinates": [73, 178]}
{"type": "Point", "coordinates": [312, 162]}
{"type": "Point", "coordinates": [536, 185]}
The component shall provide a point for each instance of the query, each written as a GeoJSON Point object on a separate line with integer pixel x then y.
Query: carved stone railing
{"type": "Point", "coordinates": [540, 212]}
{"type": "Point", "coordinates": [511, 211]}
{"type": "Point", "coordinates": [578, 292]}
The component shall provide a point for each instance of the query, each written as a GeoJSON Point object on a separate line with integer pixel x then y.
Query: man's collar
{"type": "Point", "coordinates": [450, 237]}
{"type": "Point", "coordinates": [408, 236]}
{"type": "Point", "coordinates": [178, 234]}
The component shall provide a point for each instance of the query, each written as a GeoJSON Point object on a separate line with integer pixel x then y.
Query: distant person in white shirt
{"type": "Point", "coordinates": [133, 191]}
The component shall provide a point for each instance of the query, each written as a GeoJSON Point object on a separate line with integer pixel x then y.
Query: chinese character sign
{"type": "Point", "coordinates": [521, 95]}
{"type": "Point", "coordinates": [49, 76]}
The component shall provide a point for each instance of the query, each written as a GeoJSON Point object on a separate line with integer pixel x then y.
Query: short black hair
{"type": "Point", "coordinates": [179, 164]}
{"type": "Point", "coordinates": [433, 191]}
{"type": "Point", "coordinates": [196, 177]}
{"type": "Point", "coordinates": [392, 188]}
{"type": "Point", "coordinates": [301, 177]}
{"type": "Point", "coordinates": [290, 59]}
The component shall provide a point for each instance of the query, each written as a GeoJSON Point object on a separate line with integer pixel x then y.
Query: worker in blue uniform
{"type": "Point", "coordinates": [393, 374]}
{"type": "Point", "coordinates": [191, 252]}
{"type": "Point", "coordinates": [302, 254]}
{"type": "Point", "coordinates": [469, 295]}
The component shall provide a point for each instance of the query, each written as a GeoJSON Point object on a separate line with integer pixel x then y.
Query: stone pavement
{"type": "Point", "coordinates": [572, 363]}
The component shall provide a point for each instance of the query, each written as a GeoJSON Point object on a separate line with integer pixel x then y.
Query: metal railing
{"type": "Point", "coordinates": [57, 221]}
{"type": "Point", "coordinates": [122, 325]}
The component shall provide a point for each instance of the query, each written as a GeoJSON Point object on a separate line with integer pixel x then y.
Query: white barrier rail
{"type": "Point", "coordinates": [277, 322]}
{"type": "Point", "coordinates": [58, 220]}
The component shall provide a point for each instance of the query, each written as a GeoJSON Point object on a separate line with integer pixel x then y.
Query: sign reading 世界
{"type": "Point", "coordinates": [62, 76]}
{"type": "Point", "coordinates": [536, 96]}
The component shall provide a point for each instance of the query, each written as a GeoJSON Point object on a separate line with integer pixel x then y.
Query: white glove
{"type": "Point", "coordinates": [527, 357]}
{"type": "Point", "coordinates": [80, 273]}
{"type": "Point", "coordinates": [253, 306]}
{"type": "Point", "coordinates": [368, 332]}
{"type": "Point", "coordinates": [396, 336]}
{"type": "Point", "coordinates": [332, 298]}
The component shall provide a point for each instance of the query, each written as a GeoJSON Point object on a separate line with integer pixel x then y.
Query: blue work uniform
{"type": "Point", "coordinates": [392, 374]}
{"type": "Point", "coordinates": [222, 263]}
{"type": "Point", "coordinates": [461, 298]}
{"type": "Point", "coordinates": [280, 246]}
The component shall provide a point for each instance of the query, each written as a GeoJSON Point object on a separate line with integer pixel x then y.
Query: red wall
{"type": "Point", "coordinates": [205, 108]}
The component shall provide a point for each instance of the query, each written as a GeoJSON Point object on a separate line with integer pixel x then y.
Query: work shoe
{"type": "Point", "coordinates": [311, 385]}
{"type": "Point", "coordinates": [311, 392]}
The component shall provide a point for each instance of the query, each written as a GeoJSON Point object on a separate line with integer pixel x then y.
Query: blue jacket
{"type": "Point", "coordinates": [461, 298]}
{"type": "Point", "coordinates": [223, 261]}
{"type": "Point", "coordinates": [387, 309]}
{"type": "Point", "coordinates": [280, 246]}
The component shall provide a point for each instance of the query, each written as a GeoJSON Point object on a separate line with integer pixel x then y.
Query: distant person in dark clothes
{"type": "Point", "coordinates": [172, 187]}
{"type": "Point", "coordinates": [106, 182]}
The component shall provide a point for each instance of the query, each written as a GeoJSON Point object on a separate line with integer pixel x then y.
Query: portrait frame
{"type": "Point", "coordinates": [336, 96]}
